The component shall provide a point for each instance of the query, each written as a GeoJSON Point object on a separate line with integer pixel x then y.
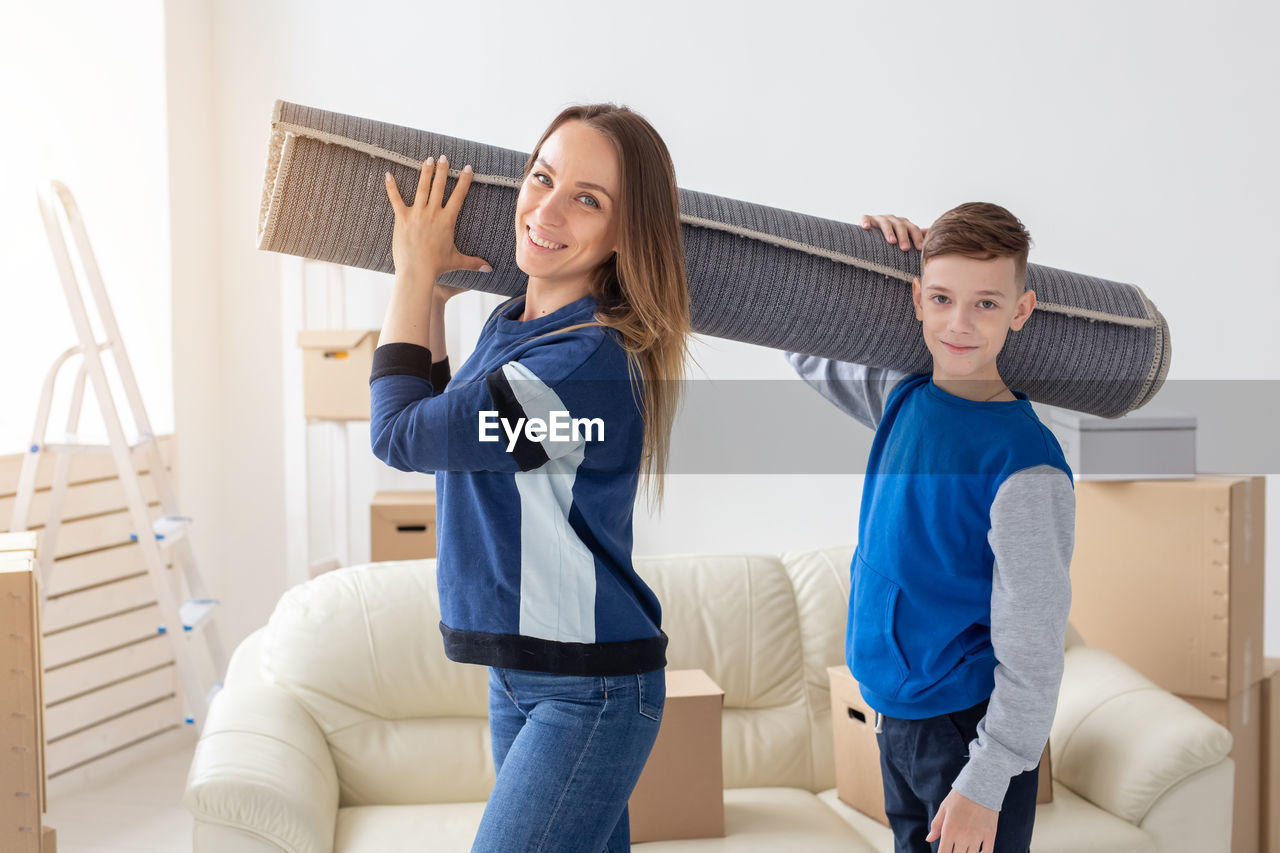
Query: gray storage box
{"type": "Point", "coordinates": [1142, 445]}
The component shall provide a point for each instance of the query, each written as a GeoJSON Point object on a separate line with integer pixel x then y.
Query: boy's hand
{"type": "Point", "coordinates": [963, 825]}
{"type": "Point", "coordinates": [896, 229]}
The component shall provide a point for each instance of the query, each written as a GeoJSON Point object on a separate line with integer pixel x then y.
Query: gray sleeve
{"type": "Point", "coordinates": [856, 389]}
{"type": "Point", "coordinates": [1032, 535]}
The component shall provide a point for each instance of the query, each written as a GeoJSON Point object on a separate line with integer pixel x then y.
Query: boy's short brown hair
{"type": "Point", "coordinates": [980, 230]}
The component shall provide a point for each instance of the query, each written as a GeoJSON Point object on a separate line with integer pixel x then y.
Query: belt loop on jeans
{"type": "Point", "coordinates": [879, 723]}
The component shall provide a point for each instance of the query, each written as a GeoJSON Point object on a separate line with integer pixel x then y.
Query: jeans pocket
{"type": "Point", "coordinates": [499, 686]}
{"type": "Point", "coordinates": [960, 734]}
{"type": "Point", "coordinates": [966, 722]}
{"type": "Point", "coordinates": [652, 690]}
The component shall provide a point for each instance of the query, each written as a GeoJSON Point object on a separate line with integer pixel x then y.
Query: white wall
{"type": "Point", "coordinates": [198, 330]}
{"type": "Point", "coordinates": [1135, 139]}
{"type": "Point", "coordinates": [103, 135]}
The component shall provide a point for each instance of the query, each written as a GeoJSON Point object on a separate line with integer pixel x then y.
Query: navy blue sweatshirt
{"type": "Point", "coordinates": [536, 444]}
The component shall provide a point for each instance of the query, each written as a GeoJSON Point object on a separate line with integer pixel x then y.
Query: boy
{"type": "Point", "coordinates": [960, 590]}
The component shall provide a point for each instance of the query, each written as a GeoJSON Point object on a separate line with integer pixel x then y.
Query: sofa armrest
{"type": "Point", "coordinates": [262, 768]}
{"type": "Point", "coordinates": [1122, 742]}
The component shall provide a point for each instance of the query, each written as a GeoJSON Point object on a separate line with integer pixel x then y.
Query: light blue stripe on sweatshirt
{"type": "Point", "coordinates": [557, 571]}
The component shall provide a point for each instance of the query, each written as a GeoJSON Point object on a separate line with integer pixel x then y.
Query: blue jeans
{"type": "Point", "coordinates": [568, 751]}
{"type": "Point", "coordinates": [919, 759]}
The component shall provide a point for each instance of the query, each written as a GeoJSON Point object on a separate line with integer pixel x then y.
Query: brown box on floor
{"type": "Point", "coordinates": [48, 840]}
{"type": "Point", "coordinates": [1270, 801]}
{"type": "Point", "coordinates": [859, 784]}
{"type": "Point", "coordinates": [335, 372]}
{"type": "Point", "coordinates": [21, 704]}
{"type": "Point", "coordinates": [1242, 715]}
{"type": "Point", "coordinates": [858, 781]}
{"type": "Point", "coordinates": [1168, 577]}
{"type": "Point", "coordinates": [681, 791]}
{"type": "Point", "coordinates": [402, 526]}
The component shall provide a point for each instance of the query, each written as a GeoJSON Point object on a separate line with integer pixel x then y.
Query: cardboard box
{"type": "Point", "coordinates": [21, 544]}
{"type": "Point", "coordinates": [1168, 576]}
{"type": "Point", "coordinates": [1242, 715]}
{"type": "Point", "coordinates": [335, 372]}
{"type": "Point", "coordinates": [1270, 800]}
{"type": "Point", "coordinates": [48, 840]}
{"type": "Point", "coordinates": [1144, 445]}
{"type": "Point", "coordinates": [402, 525]}
{"type": "Point", "coordinates": [22, 793]}
{"type": "Point", "coordinates": [681, 791]}
{"type": "Point", "coordinates": [859, 784]}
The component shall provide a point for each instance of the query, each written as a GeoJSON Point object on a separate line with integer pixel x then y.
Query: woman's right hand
{"type": "Point", "coordinates": [422, 237]}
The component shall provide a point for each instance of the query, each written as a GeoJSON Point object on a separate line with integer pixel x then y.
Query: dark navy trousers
{"type": "Point", "coordinates": [919, 759]}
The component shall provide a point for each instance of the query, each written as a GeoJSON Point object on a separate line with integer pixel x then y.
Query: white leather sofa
{"type": "Point", "coordinates": [342, 726]}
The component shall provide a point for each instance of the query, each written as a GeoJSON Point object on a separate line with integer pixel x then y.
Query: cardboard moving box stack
{"type": "Point", "coordinates": [402, 526]}
{"type": "Point", "coordinates": [1168, 576]}
{"type": "Point", "coordinates": [680, 794]}
{"type": "Point", "coordinates": [22, 788]}
{"type": "Point", "coordinates": [335, 372]}
{"type": "Point", "coordinates": [859, 784]}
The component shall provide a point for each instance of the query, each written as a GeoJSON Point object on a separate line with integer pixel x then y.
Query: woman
{"type": "Point", "coordinates": [534, 568]}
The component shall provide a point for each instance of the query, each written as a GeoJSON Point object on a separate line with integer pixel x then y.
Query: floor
{"type": "Point", "coordinates": [132, 807]}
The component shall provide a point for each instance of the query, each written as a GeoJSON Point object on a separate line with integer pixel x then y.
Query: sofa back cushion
{"type": "Point", "coordinates": [360, 648]}
{"type": "Point", "coordinates": [735, 616]}
{"type": "Point", "coordinates": [821, 582]}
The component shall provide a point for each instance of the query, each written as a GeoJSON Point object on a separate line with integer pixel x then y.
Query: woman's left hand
{"type": "Point", "coordinates": [422, 238]}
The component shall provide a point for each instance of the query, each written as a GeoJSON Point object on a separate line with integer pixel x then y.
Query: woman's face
{"type": "Point", "coordinates": [567, 211]}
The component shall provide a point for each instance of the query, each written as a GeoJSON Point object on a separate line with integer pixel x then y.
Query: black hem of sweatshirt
{"type": "Point", "coordinates": [515, 651]}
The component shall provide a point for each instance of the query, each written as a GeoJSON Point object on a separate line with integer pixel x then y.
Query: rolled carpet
{"type": "Point", "coordinates": [756, 274]}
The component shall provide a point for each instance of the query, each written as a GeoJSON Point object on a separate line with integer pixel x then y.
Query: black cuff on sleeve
{"type": "Point", "coordinates": [440, 374]}
{"type": "Point", "coordinates": [401, 360]}
{"type": "Point", "coordinates": [528, 454]}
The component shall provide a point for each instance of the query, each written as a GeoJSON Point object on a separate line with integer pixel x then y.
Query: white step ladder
{"type": "Point", "coordinates": [200, 658]}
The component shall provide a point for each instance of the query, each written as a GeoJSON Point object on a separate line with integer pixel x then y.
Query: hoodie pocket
{"type": "Point", "coordinates": [878, 662]}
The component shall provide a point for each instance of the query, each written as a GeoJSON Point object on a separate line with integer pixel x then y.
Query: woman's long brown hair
{"type": "Point", "coordinates": [642, 290]}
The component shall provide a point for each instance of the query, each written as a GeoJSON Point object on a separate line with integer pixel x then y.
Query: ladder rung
{"type": "Point", "coordinates": [74, 444]}
{"type": "Point", "coordinates": [196, 611]}
{"type": "Point", "coordinates": [168, 529]}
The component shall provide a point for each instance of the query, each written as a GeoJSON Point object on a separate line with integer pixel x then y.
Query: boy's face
{"type": "Point", "coordinates": [968, 307]}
